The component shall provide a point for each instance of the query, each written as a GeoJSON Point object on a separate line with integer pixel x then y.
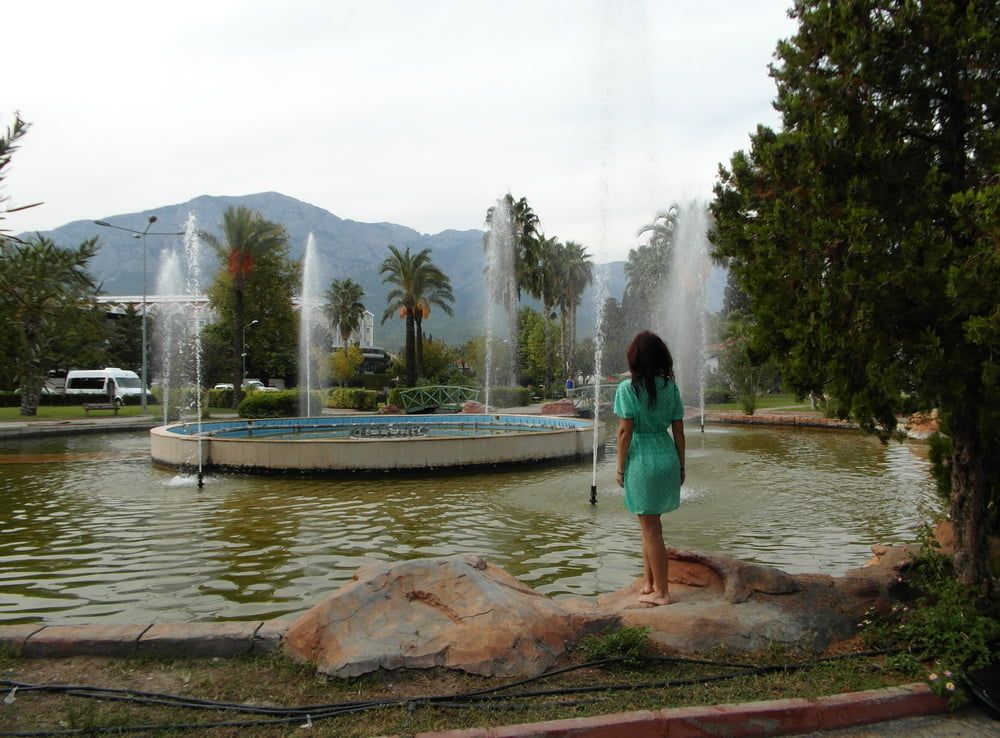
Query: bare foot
{"type": "Point", "coordinates": [654, 599]}
{"type": "Point", "coordinates": [646, 589]}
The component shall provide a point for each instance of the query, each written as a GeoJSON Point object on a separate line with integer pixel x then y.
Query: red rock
{"type": "Point", "coordinates": [458, 612]}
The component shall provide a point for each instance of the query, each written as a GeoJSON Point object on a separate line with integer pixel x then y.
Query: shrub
{"type": "Point", "coordinates": [508, 396]}
{"type": "Point", "coordinates": [371, 381]}
{"type": "Point", "coordinates": [717, 395]}
{"type": "Point", "coordinates": [352, 398]}
{"type": "Point", "coordinates": [394, 398]}
{"type": "Point", "coordinates": [283, 404]}
{"type": "Point", "coordinates": [949, 623]}
{"type": "Point", "coordinates": [220, 398]}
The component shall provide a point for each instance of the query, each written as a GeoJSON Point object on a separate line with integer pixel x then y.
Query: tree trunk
{"type": "Point", "coordinates": [970, 515]}
{"type": "Point", "coordinates": [238, 317]}
{"type": "Point", "coordinates": [418, 332]}
{"type": "Point", "coordinates": [30, 396]}
{"type": "Point", "coordinates": [411, 356]}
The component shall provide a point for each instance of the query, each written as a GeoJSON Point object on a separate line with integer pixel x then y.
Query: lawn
{"type": "Point", "coordinates": [70, 412]}
{"type": "Point", "coordinates": [783, 400]}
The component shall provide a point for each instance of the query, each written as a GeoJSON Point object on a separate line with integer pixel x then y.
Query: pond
{"type": "Point", "coordinates": [91, 531]}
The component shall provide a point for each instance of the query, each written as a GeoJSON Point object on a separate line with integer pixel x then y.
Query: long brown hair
{"type": "Point", "coordinates": [649, 358]}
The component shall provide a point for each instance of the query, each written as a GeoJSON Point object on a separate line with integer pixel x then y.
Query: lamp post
{"type": "Point", "coordinates": [141, 235]}
{"type": "Point", "coordinates": [248, 325]}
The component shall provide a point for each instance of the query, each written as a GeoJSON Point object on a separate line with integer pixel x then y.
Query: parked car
{"type": "Point", "coordinates": [251, 384]}
{"type": "Point", "coordinates": [108, 382]}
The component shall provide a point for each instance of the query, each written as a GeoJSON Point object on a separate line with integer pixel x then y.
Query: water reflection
{"type": "Point", "coordinates": [91, 530]}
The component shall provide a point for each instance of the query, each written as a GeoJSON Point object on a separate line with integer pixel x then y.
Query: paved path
{"type": "Point", "coordinates": [968, 723]}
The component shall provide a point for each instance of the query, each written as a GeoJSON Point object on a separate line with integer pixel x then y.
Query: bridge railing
{"type": "Point", "coordinates": [585, 395]}
{"type": "Point", "coordinates": [414, 399]}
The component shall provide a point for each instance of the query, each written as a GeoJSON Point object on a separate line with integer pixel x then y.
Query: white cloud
{"type": "Point", "coordinates": [417, 113]}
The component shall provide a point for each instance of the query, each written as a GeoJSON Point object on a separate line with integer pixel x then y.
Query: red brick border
{"type": "Point", "coordinates": [749, 720]}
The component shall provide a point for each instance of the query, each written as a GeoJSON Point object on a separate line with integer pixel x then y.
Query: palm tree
{"type": "Point", "coordinates": [44, 294]}
{"type": "Point", "coordinates": [344, 308]}
{"type": "Point", "coordinates": [525, 226]}
{"type": "Point", "coordinates": [417, 284]}
{"type": "Point", "coordinates": [576, 273]}
{"type": "Point", "coordinates": [544, 283]}
{"type": "Point", "coordinates": [433, 288]}
{"type": "Point", "coordinates": [246, 237]}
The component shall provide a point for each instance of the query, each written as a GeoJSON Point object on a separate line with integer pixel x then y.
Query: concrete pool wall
{"type": "Point", "coordinates": [540, 438]}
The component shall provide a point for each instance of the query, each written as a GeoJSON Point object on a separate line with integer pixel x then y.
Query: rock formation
{"type": "Point", "coordinates": [460, 612]}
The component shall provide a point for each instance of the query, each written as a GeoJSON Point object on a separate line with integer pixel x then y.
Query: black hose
{"type": "Point", "coordinates": [287, 715]}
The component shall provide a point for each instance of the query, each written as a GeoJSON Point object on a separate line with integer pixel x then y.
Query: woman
{"type": "Point", "coordinates": [650, 464]}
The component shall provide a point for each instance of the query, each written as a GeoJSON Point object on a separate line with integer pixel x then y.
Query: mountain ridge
{"type": "Point", "coordinates": [346, 248]}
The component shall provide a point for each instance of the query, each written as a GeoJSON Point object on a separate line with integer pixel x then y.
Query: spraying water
{"type": "Point", "coordinates": [309, 322]}
{"type": "Point", "coordinates": [171, 341]}
{"type": "Point", "coordinates": [600, 299]}
{"type": "Point", "coordinates": [192, 252]}
{"type": "Point", "coordinates": [680, 313]}
{"type": "Point", "coordinates": [501, 282]}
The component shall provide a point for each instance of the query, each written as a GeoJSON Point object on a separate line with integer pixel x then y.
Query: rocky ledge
{"type": "Point", "coordinates": [461, 612]}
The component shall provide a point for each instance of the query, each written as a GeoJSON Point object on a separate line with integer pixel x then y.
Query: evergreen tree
{"type": "Point", "coordinates": [865, 231]}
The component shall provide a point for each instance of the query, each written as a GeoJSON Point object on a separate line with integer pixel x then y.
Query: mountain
{"type": "Point", "coordinates": [346, 248]}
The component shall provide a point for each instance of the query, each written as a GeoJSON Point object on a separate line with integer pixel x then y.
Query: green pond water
{"type": "Point", "coordinates": [91, 531]}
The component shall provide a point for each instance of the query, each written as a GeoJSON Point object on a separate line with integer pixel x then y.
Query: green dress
{"type": "Point", "coordinates": [652, 470]}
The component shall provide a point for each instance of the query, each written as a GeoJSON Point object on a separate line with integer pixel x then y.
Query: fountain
{"type": "Point", "coordinates": [310, 322]}
{"type": "Point", "coordinates": [680, 315]}
{"type": "Point", "coordinates": [178, 330]}
{"type": "Point", "coordinates": [372, 442]}
{"type": "Point", "coordinates": [171, 342]}
{"type": "Point", "coordinates": [501, 281]}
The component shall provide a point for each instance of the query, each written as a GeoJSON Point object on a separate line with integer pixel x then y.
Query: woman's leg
{"type": "Point", "coordinates": [647, 572]}
{"type": "Point", "coordinates": [656, 552]}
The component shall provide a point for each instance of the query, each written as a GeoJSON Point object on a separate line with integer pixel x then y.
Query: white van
{"type": "Point", "coordinates": [101, 383]}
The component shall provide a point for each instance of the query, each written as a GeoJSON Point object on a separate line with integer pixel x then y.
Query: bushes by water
{"type": "Point", "coordinates": [508, 396]}
{"type": "Point", "coordinates": [284, 404]}
{"type": "Point", "coordinates": [351, 398]}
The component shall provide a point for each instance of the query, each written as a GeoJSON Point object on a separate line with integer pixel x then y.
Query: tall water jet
{"type": "Point", "coordinates": [600, 300]}
{"type": "Point", "coordinates": [501, 282]}
{"type": "Point", "coordinates": [171, 340]}
{"type": "Point", "coordinates": [309, 324]}
{"type": "Point", "coordinates": [192, 253]}
{"type": "Point", "coordinates": [680, 316]}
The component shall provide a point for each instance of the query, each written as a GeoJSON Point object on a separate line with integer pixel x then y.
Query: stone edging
{"type": "Point", "coordinates": [798, 421]}
{"type": "Point", "coordinates": [772, 718]}
{"type": "Point", "coordinates": [161, 639]}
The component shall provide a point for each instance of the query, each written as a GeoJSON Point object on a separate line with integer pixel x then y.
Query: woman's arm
{"type": "Point", "coordinates": [677, 426]}
{"type": "Point", "coordinates": [625, 426]}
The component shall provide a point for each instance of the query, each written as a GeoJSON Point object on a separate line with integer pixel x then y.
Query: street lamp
{"type": "Point", "coordinates": [141, 235]}
{"type": "Point", "coordinates": [251, 323]}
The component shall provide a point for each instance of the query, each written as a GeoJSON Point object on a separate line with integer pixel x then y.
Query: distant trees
{"type": "Point", "coordinates": [864, 231]}
{"type": "Point", "coordinates": [45, 295]}
{"type": "Point", "coordinates": [553, 272]}
{"type": "Point", "coordinates": [256, 265]}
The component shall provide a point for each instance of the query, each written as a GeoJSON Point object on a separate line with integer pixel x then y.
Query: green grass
{"type": "Point", "coordinates": [275, 680]}
{"type": "Point", "coordinates": [784, 400]}
{"type": "Point", "coordinates": [70, 412]}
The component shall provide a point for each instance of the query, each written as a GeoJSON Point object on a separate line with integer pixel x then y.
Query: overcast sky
{"type": "Point", "coordinates": [417, 112]}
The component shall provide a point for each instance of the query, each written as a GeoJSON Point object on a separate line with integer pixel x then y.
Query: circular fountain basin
{"type": "Point", "coordinates": [371, 442]}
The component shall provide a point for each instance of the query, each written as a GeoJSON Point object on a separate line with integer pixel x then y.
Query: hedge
{"type": "Point", "coordinates": [283, 404]}
{"type": "Point", "coordinates": [352, 398]}
{"type": "Point", "coordinates": [507, 396]}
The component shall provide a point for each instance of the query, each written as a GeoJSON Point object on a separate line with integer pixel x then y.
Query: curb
{"type": "Point", "coordinates": [155, 639]}
{"type": "Point", "coordinates": [758, 719]}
